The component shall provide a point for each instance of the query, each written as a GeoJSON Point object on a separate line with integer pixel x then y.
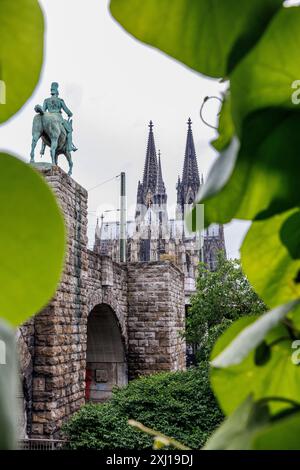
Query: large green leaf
{"type": "Point", "coordinates": [237, 431]}
{"type": "Point", "coordinates": [21, 52]}
{"type": "Point", "coordinates": [262, 179]}
{"type": "Point", "coordinates": [210, 36]}
{"type": "Point", "coordinates": [252, 336]}
{"type": "Point", "coordinates": [267, 259]}
{"type": "Point", "coordinates": [32, 241]}
{"type": "Point", "coordinates": [281, 435]}
{"type": "Point", "coordinates": [8, 388]}
{"type": "Point", "coordinates": [251, 427]}
{"type": "Point", "coordinates": [264, 78]}
{"type": "Point", "coordinates": [278, 377]}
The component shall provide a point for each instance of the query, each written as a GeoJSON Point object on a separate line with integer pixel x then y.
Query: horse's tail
{"type": "Point", "coordinates": [38, 109]}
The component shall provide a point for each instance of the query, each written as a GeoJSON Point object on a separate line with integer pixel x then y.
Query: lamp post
{"type": "Point", "coordinates": [123, 219]}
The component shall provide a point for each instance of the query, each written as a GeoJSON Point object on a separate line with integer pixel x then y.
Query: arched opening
{"type": "Point", "coordinates": [106, 365]}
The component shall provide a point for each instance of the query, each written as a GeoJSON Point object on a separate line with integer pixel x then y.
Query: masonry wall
{"type": "Point", "coordinates": [107, 283]}
{"type": "Point", "coordinates": [25, 343]}
{"type": "Point", "coordinates": [156, 315]}
{"type": "Point", "coordinates": [146, 298]}
{"type": "Point", "coordinates": [60, 329]}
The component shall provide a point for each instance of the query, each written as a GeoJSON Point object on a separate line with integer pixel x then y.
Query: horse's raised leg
{"type": "Point", "coordinates": [69, 158]}
{"type": "Point", "coordinates": [42, 152]}
{"type": "Point", "coordinates": [54, 143]}
{"type": "Point", "coordinates": [35, 138]}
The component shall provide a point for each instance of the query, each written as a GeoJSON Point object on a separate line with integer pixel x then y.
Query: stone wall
{"type": "Point", "coordinates": [60, 329]}
{"type": "Point", "coordinates": [107, 284]}
{"type": "Point", "coordinates": [25, 343]}
{"type": "Point", "coordinates": [156, 316]}
{"type": "Point", "coordinates": [147, 300]}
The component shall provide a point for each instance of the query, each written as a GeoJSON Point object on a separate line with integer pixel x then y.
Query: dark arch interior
{"type": "Point", "coordinates": [106, 360]}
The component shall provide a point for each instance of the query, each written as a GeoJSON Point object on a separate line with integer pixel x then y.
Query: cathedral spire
{"type": "Point", "coordinates": [190, 174]}
{"type": "Point", "coordinates": [160, 185]}
{"type": "Point", "coordinates": [98, 235]}
{"type": "Point", "coordinates": [150, 168]}
{"type": "Point", "coordinates": [188, 186]}
{"type": "Point", "coordinates": [146, 188]}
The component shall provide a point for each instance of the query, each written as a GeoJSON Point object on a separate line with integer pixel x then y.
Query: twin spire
{"type": "Point", "coordinates": [160, 185]}
{"type": "Point", "coordinates": [152, 178]}
{"type": "Point", "coordinates": [153, 183]}
{"type": "Point", "coordinates": [150, 169]}
{"type": "Point", "coordinates": [190, 173]}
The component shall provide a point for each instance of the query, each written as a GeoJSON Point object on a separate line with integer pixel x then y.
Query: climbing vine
{"type": "Point", "coordinates": [253, 45]}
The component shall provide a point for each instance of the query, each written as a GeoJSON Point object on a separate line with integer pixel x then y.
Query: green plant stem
{"type": "Point", "coordinates": [156, 434]}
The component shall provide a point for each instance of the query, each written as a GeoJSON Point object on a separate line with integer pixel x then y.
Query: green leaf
{"type": "Point", "coordinates": [219, 175]}
{"type": "Point", "coordinates": [281, 435]}
{"type": "Point", "coordinates": [210, 36]}
{"type": "Point", "coordinates": [237, 431]}
{"type": "Point", "coordinates": [265, 77]}
{"type": "Point", "coordinates": [267, 261]}
{"type": "Point", "coordinates": [225, 127]}
{"type": "Point", "coordinates": [233, 384]}
{"type": "Point", "coordinates": [21, 52]}
{"type": "Point", "coordinates": [252, 336]}
{"type": "Point", "coordinates": [32, 241]}
{"type": "Point", "coordinates": [8, 388]}
{"type": "Point", "coordinates": [290, 235]}
{"type": "Point", "coordinates": [262, 182]}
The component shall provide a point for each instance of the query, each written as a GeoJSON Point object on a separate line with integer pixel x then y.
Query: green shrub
{"type": "Point", "coordinates": [178, 404]}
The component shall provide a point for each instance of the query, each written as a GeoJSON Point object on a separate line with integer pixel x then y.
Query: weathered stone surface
{"type": "Point", "coordinates": [147, 300]}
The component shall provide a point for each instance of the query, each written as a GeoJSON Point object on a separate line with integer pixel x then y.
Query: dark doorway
{"type": "Point", "coordinates": [106, 361]}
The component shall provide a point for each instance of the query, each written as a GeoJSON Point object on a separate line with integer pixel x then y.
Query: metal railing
{"type": "Point", "coordinates": [42, 444]}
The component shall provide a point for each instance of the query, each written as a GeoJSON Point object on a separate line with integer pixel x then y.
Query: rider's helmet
{"type": "Point", "coordinates": [54, 88]}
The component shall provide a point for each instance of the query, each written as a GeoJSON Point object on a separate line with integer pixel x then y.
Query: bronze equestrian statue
{"type": "Point", "coordinates": [55, 131]}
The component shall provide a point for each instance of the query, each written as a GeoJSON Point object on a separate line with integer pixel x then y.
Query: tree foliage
{"type": "Point", "coordinates": [255, 178]}
{"type": "Point", "coordinates": [222, 296]}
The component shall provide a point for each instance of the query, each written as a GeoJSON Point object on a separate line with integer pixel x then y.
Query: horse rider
{"type": "Point", "coordinates": [57, 105]}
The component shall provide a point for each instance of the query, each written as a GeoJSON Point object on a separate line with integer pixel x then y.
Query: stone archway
{"type": "Point", "coordinates": [106, 365]}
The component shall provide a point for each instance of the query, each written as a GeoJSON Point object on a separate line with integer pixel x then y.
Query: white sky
{"type": "Point", "coordinates": [114, 85]}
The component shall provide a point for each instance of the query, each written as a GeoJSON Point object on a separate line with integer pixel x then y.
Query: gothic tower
{"type": "Point", "coordinates": [151, 235]}
{"type": "Point", "coordinates": [146, 189]}
{"type": "Point", "coordinates": [151, 209]}
{"type": "Point", "coordinates": [213, 243]}
{"type": "Point", "coordinates": [160, 196]}
{"type": "Point", "coordinates": [188, 186]}
{"type": "Point", "coordinates": [160, 208]}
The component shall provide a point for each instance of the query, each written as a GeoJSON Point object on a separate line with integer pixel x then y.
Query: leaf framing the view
{"type": "Point", "coordinates": [209, 36]}
{"type": "Point", "coordinates": [32, 241]}
{"type": "Point", "coordinates": [21, 52]}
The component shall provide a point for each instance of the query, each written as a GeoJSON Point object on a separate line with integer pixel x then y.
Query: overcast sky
{"type": "Point", "coordinates": [114, 85]}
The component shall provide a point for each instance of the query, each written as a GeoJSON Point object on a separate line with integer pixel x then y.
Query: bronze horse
{"type": "Point", "coordinates": [48, 126]}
